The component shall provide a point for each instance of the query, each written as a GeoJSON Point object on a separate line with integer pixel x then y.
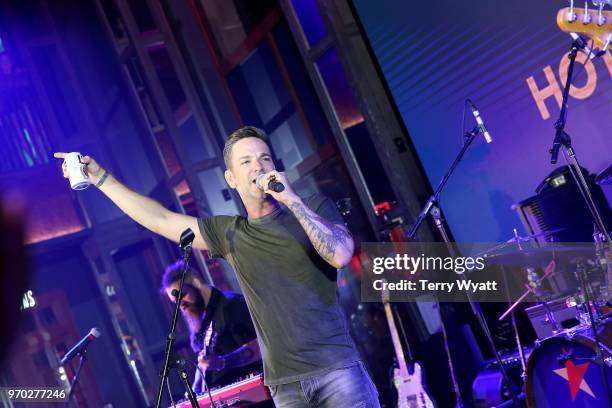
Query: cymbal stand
{"type": "Point", "coordinates": [581, 272]}
{"type": "Point", "coordinates": [517, 336]}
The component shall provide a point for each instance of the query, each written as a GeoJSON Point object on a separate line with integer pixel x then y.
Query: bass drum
{"type": "Point", "coordinates": [561, 371]}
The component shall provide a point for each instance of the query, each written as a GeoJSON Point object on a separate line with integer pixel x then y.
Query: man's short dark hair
{"type": "Point", "coordinates": [242, 133]}
{"type": "Point", "coordinates": [173, 272]}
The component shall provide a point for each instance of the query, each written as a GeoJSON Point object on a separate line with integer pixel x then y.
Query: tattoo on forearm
{"type": "Point", "coordinates": [325, 236]}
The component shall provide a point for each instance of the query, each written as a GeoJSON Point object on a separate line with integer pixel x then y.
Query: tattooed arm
{"type": "Point", "coordinates": [332, 241]}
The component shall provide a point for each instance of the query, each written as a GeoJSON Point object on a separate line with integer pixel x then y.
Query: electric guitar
{"type": "Point", "coordinates": [410, 389]}
{"type": "Point", "coordinates": [594, 23]}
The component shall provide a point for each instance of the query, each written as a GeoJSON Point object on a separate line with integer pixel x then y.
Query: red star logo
{"type": "Point", "coordinates": [574, 374]}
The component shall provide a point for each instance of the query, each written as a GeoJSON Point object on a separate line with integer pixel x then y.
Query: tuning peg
{"type": "Point", "coordinates": [600, 3]}
{"type": "Point", "coordinates": [586, 17]}
{"type": "Point", "coordinates": [571, 15]}
{"type": "Point", "coordinates": [601, 19]}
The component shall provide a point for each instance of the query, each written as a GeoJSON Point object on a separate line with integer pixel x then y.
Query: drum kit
{"type": "Point", "coordinates": [570, 362]}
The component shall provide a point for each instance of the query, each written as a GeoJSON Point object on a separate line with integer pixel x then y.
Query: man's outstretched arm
{"type": "Point", "coordinates": [142, 209]}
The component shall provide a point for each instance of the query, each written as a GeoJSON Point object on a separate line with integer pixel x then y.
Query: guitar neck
{"type": "Point", "coordinates": [397, 345]}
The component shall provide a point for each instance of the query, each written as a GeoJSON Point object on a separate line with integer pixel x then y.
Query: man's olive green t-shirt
{"type": "Point", "coordinates": [290, 290]}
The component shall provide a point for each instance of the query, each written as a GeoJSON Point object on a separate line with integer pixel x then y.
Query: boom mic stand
{"type": "Point", "coordinates": [563, 139]}
{"type": "Point", "coordinates": [186, 242]}
{"type": "Point", "coordinates": [432, 208]}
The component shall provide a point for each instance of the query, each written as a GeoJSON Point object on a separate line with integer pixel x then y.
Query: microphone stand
{"type": "Point", "coordinates": [190, 395]}
{"type": "Point", "coordinates": [563, 139]}
{"type": "Point", "coordinates": [186, 245]}
{"type": "Point", "coordinates": [73, 383]}
{"type": "Point", "coordinates": [432, 208]}
{"type": "Point", "coordinates": [179, 363]}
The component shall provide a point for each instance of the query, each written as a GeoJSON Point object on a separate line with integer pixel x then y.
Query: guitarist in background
{"type": "Point", "coordinates": [220, 327]}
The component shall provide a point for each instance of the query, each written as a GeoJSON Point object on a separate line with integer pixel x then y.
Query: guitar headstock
{"type": "Point", "coordinates": [593, 23]}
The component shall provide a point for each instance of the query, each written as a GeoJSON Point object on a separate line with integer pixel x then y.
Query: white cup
{"type": "Point", "coordinates": [76, 171]}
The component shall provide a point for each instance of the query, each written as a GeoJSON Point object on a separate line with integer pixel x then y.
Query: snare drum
{"type": "Point", "coordinates": [561, 371]}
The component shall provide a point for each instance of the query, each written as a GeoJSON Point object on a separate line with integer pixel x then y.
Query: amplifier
{"type": "Point", "coordinates": [558, 205]}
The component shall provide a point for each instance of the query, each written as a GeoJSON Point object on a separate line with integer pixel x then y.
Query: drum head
{"type": "Point", "coordinates": [562, 372]}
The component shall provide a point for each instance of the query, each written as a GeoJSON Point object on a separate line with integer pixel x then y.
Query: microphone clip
{"type": "Point", "coordinates": [186, 240]}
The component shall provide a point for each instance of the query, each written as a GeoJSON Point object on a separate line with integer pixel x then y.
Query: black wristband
{"type": "Point", "coordinates": [102, 179]}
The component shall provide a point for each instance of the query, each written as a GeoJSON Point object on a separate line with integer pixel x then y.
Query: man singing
{"type": "Point", "coordinates": [285, 253]}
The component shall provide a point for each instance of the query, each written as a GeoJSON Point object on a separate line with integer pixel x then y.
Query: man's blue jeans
{"type": "Point", "coordinates": [349, 387]}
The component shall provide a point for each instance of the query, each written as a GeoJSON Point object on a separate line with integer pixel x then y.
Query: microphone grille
{"type": "Point", "coordinates": [95, 332]}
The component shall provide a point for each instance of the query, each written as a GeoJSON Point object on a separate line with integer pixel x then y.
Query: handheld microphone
{"type": "Point", "coordinates": [273, 184]}
{"type": "Point", "coordinates": [479, 121]}
{"type": "Point", "coordinates": [81, 345]}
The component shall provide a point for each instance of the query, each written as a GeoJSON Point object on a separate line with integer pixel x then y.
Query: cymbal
{"type": "Point", "coordinates": [540, 234]}
{"type": "Point", "coordinates": [517, 239]}
{"type": "Point", "coordinates": [541, 256]}
{"type": "Point", "coordinates": [605, 177]}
